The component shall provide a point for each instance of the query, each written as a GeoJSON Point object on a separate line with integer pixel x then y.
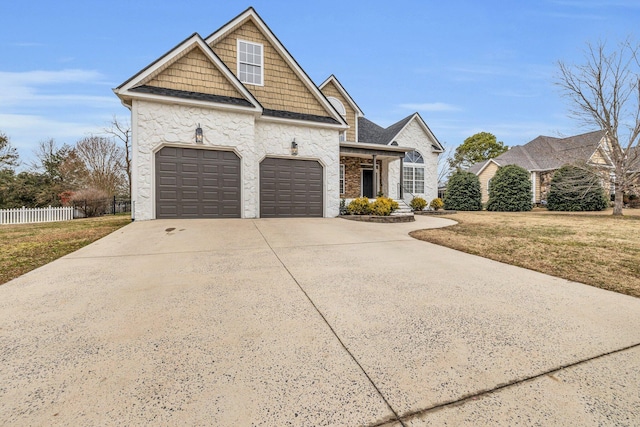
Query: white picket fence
{"type": "Point", "coordinates": [29, 215]}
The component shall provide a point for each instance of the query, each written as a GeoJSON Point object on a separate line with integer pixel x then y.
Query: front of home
{"type": "Point", "coordinates": [544, 155]}
{"type": "Point", "coordinates": [230, 126]}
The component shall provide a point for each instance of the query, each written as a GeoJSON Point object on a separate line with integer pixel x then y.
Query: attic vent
{"type": "Point", "coordinates": [394, 143]}
{"type": "Point", "coordinates": [337, 105]}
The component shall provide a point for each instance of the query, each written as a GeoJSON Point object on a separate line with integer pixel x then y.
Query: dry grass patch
{"type": "Point", "coordinates": [593, 248]}
{"type": "Point", "coordinates": [26, 247]}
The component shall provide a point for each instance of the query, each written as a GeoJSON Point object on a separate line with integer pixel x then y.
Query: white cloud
{"type": "Point", "coordinates": [430, 106]}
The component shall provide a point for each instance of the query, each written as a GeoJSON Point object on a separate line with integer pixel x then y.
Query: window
{"type": "Point", "coordinates": [413, 173]}
{"type": "Point", "coordinates": [337, 105]}
{"type": "Point", "coordinates": [343, 136]}
{"type": "Point", "coordinates": [341, 179]}
{"type": "Point", "coordinates": [250, 60]}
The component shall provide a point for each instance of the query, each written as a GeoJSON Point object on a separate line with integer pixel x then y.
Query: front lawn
{"type": "Point", "coordinates": [26, 247]}
{"type": "Point", "coordinates": [593, 248]}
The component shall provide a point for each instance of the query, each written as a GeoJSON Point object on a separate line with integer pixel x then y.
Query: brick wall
{"type": "Point", "coordinates": [282, 89]}
{"type": "Point", "coordinates": [353, 175]}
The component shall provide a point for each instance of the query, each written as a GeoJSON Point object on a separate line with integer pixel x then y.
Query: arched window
{"type": "Point", "coordinates": [337, 105]}
{"type": "Point", "coordinates": [413, 172]}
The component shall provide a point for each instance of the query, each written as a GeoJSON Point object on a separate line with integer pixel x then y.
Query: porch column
{"type": "Point", "coordinates": [401, 175]}
{"type": "Point", "coordinates": [375, 177]}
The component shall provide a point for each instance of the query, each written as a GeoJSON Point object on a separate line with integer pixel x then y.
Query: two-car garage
{"type": "Point", "coordinates": [201, 183]}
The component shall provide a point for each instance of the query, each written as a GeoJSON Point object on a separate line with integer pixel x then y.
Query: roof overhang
{"type": "Point", "coordinates": [361, 148]}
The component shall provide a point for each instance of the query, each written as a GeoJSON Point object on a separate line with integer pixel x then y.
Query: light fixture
{"type": "Point", "coordinates": [199, 136]}
{"type": "Point", "coordinates": [294, 147]}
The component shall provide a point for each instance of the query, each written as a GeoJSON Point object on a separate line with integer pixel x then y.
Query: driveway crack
{"type": "Point", "coordinates": [335, 334]}
{"type": "Point", "coordinates": [472, 396]}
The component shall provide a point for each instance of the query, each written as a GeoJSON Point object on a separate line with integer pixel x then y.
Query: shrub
{"type": "Point", "coordinates": [343, 207]}
{"type": "Point", "coordinates": [90, 201]}
{"type": "Point", "coordinates": [510, 190]}
{"type": "Point", "coordinates": [359, 206]}
{"type": "Point", "coordinates": [383, 206]}
{"type": "Point", "coordinates": [463, 192]}
{"type": "Point", "coordinates": [576, 188]}
{"type": "Point", "coordinates": [436, 204]}
{"type": "Point", "coordinates": [418, 203]}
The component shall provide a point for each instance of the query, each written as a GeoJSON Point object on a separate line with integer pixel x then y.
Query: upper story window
{"type": "Point", "coordinates": [337, 105]}
{"type": "Point", "coordinates": [250, 63]}
{"type": "Point", "coordinates": [413, 157]}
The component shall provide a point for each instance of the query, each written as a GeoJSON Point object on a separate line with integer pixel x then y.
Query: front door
{"type": "Point", "coordinates": [367, 183]}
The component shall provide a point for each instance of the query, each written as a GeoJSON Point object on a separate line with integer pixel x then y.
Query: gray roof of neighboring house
{"type": "Point", "coordinates": [548, 153]}
{"type": "Point", "coordinates": [371, 133]}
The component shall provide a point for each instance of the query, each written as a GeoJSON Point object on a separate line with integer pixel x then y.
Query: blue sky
{"type": "Point", "coordinates": [465, 66]}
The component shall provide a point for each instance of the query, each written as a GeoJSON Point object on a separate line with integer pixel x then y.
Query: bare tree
{"type": "Point", "coordinates": [8, 153]}
{"type": "Point", "coordinates": [444, 164]}
{"type": "Point", "coordinates": [605, 91]}
{"type": "Point", "coordinates": [104, 161]}
{"type": "Point", "coordinates": [122, 131]}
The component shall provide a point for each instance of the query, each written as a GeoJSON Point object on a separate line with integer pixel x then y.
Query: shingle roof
{"type": "Point", "coordinates": [191, 95]}
{"type": "Point", "coordinates": [299, 116]}
{"type": "Point", "coordinates": [371, 133]}
{"type": "Point", "coordinates": [368, 131]}
{"type": "Point", "coordinates": [548, 153]}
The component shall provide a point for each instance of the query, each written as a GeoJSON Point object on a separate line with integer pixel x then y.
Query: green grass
{"type": "Point", "coordinates": [593, 248]}
{"type": "Point", "coordinates": [26, 247]}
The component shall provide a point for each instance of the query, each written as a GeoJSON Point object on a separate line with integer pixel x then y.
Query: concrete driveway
{"type": "Point", "coordinates": [305, 323]}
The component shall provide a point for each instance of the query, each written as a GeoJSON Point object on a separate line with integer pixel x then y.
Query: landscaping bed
{"type": "Point", "coordinates": [380, 218]}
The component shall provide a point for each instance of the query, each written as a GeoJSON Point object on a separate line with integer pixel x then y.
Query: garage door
{"type": "Point", "coordinates": [192, 183]}
{"type": "Point", "coordinates": [290, 188]}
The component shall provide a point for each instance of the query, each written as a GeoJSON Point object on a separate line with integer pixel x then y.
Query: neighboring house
{"type": "Point", "coordinates": [543, 156]}
{"type": "Point", "coordinates": [231, 126]}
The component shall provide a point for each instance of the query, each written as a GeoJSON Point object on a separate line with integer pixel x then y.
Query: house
{"type": "Point", "coordinates": [230, 126]}
{"type": "Point", "coordinates": [543, 156]}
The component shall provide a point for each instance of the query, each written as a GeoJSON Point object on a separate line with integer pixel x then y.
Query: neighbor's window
{"type": "Point", "coordinates": [341, 179]}
{"type": "Point", "coordinates": [250, 62]}
{"type": "Point", "coordinates": [413, 173]}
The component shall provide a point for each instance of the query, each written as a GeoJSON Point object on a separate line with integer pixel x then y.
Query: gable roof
{"type": "Point", "coordinates": [138, 87]}
{"type": "Point", "coordinates": [547, 153]}
{"type": "Point", "coordinates": [251, 15]}
{"type": "Point", "coordinates": [372, 133]}
{"type": "Point", "coordinates": [333, 79]}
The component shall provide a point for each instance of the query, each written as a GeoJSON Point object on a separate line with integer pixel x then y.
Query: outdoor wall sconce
{"type": "Point", "coordinates": [294, 147]}
{"type": "Point", "coordinates": [199, 135]}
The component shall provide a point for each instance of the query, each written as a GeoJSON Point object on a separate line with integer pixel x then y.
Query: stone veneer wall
{"type": "Point", "coordinates": [353, 175]}
{"type": "Point", "coordinates": [156, 125]}
{"type": "Point", "coordinates": [544, 183]}
{"type": "Point", "coordinates": [415, 137]}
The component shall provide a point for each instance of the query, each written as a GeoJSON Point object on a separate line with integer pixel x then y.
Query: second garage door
{"type": "Point", "coordinates": [195, 183]}
{"type": "Point", "coordinates": [291, 188]}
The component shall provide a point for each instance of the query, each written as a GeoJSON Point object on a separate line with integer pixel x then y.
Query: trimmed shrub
{"type": "Point", "coordinates": [436, 204]}
{"type": "Point", "coordinates": [359, 206]}
{"type": "Point", "coordinates": [510, 190]}
{"type": "Point", "coordinates": [383, 206]}
{"type": "Point", "coordinates": [418, 203]}
{"type": "Point", "coordinates": [575, 188]}
{"type": "Point", "coordinates": [90, 201]}
{"type": "Point", "coordinates": [463, 192]}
